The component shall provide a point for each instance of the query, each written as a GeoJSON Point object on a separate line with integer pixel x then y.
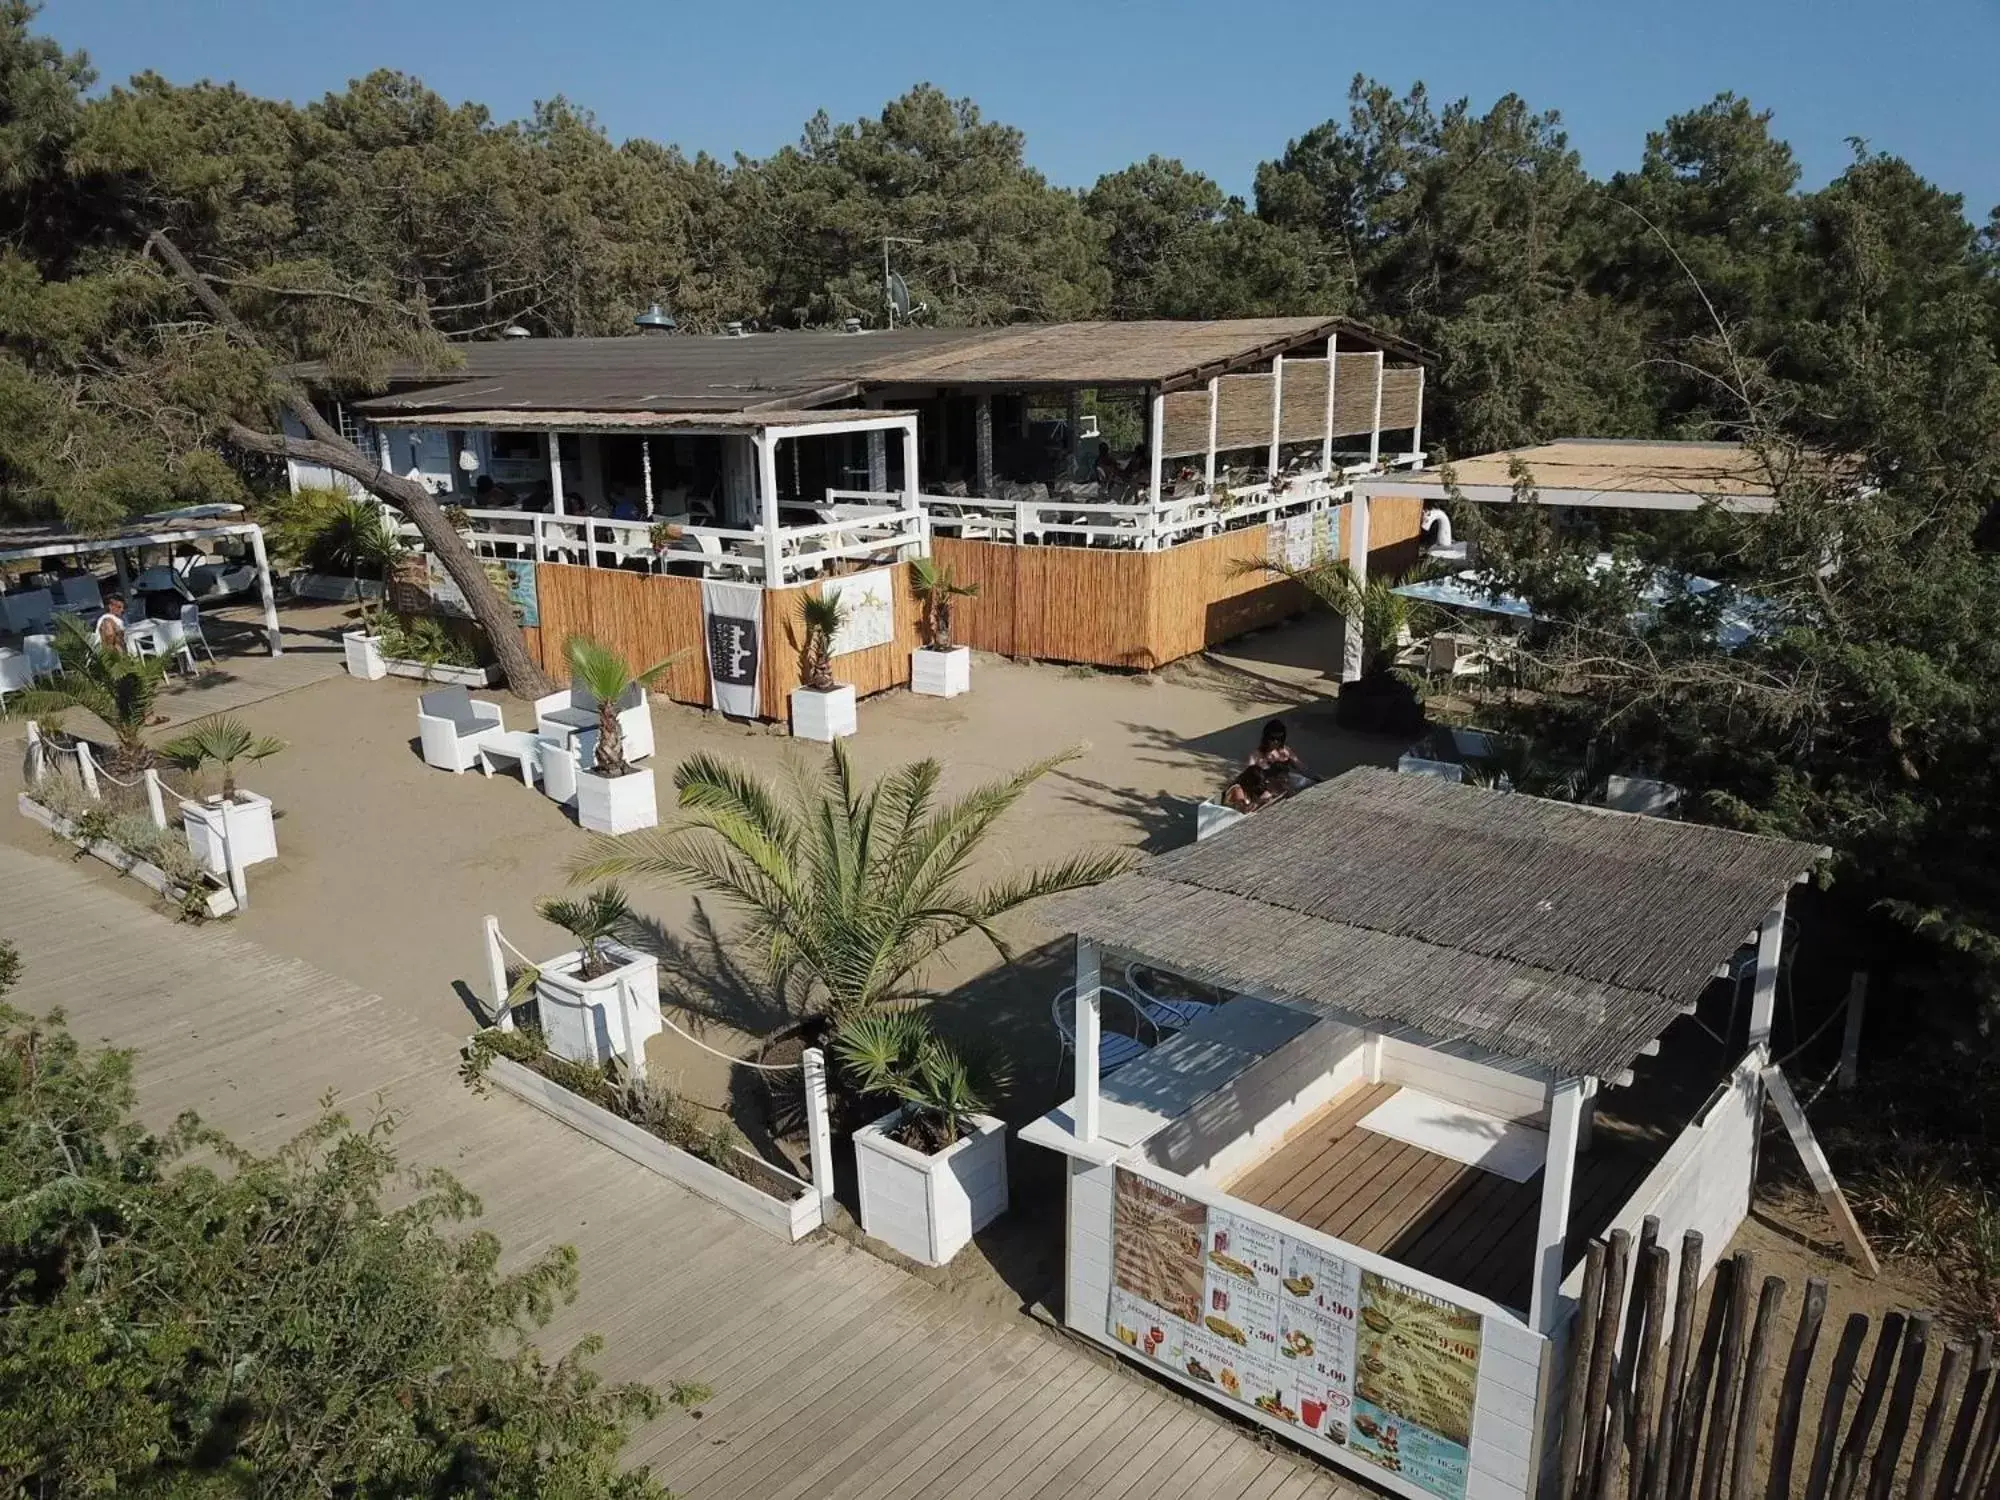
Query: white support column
{"type": "Point", "coordinates": [156, 805]}
{"type": "Point", "coordinates": [878, 461]}
{"type": "Point", "coordinates": [1277, 411]}
{"type": "Point", "coordinates": [1417, 432]}
{"type": "Point", "coordinates": [1357, 562]}
{"type": "Point", "coordinates": [628, 1026]}
{"type": "Point", "coordinates": [232, 859]}
{"type": "Point", "coordinates": [1089, 1025]}
{"type": "Point", "coordinates": [982, 446]}
{"type": "Point", "coordinates": [767, 499]}
{"type": "Point", "coordinates": [819, 1128]}
{"type": "Point", "coordinates": [555, 475]}
{"type": "Point", "coordinates": [1375, 427]}
{"type": "Point", "coordinates": [1558, 1175]}
{"type": "Point", "coordinates": [1156, 439]}
{"type": "Point", "coordinates": [272, 635]}
{"type": "Point", "coordinates": [912, 489]}
{"type": "Point", "coordinates": [496, 976]}
{"type": "Point", "coordinates": [1214, 414]}
{"type": "Point", "coordinates": [646, 472]}
{"type": "Point", "coordinates": [1332, 378]}
{"type": "Point", "coordinates": [1764, 991]}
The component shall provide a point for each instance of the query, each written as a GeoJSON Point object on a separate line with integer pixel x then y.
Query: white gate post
{"type": "Point", "coordinates": [154, 804]}
{"type": "Point", "coordinates": [496, 975]}
{"type": "Point", "coordinates": [86, 768]}
{"type": "Point", "coordinates": [1088, 1030]}
{"type": "Point", "coordinates": [37, 754]}
{"type": "Point", "coordinates": [819, 1127]}
{"type": "Point", "coordinates": [238, 886]}
{"type": "Point", "coordinates": [628, 1021]}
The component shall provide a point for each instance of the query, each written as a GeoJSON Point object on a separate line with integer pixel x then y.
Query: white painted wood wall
{"type": "Point", "coordinates": [1463, 1074]}
{"type": "Point", "coordinates": [1247, 1117]}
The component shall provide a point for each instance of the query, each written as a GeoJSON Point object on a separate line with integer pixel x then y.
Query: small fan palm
{"type": "Point", "coordinates": [220, 740]}
{"type": "Point", "coordinates": [119, 689]}
{"type": "Point", "coordinates": [1383, 613]}
{"type": "Point", "coordinates": [602, 672]}
{"type": "Point", "coordinates": [894, 1054]}
{"type": "Point", "coordinates": [935, 589]}
{"type": "Point", "coordinates": [593, 920]}
{"type": "Point", "coordinates": [847, 890]}
{"type": "Point", "coordinates": [822, 615]}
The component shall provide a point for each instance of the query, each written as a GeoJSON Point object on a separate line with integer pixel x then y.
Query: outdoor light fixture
{"type": "Point", "coordinates": [655, 319]}
{"type": "Point", "coordinates": [515, 331]}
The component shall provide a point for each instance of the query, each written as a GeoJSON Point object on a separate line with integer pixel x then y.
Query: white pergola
{"type": "Point", "coordinates": [37, 543]}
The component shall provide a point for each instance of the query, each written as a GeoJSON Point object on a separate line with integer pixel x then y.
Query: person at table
{"type": "Point", "coordinates": [110, 628]}
{"type": "Point", "coordinates": [1107, 467]}
{"type": "Point", "coordinates": [1279, 762]}
{"type": "Point", "coordinates": [1139, 467]}
{"type": "Point", "coordinates": [1249, 791]}
{"type": "Point", "coordinates": [488, 494]}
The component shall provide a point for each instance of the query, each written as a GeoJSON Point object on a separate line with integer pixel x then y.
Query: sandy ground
{"type": "Point", "coordinates": [388, 866]}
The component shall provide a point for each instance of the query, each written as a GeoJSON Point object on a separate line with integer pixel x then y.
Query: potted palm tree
{"type": "Point", "coordinates": [939, 669]}
{"type": "Point", "coordinates": [612, 794]}
{"type": "Point", "coordinates": [1384, 699]}
{"type": "Point", "coordinates": [119, 690]}
{"type": "Point", "coordinates": [601, 999]}
{"type": "Point", "coordinates": [932, 1172]}
{"type": "Point", "coordinates": [822, 709]}
{"type": "Point", "coordinates": [846, 891]}
{"type": "Point", "coordinates": [360, 537]}
{"type": "Point", "coordinates": [230, 815]}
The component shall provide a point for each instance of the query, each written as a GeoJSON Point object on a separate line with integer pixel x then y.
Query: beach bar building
{"type": "Point", "coordinates": [624, 475]}
{"type": "Point", "coordinates": [1349, 1201]}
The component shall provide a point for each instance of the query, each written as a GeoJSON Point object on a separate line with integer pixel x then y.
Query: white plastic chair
{"type": "Point", "coordinates": [16, 674]}
{"type": "Point", "coordinates": [451, 726]}
{"type": "Point", "coordinates": [192, 635]}
{"type": "Point", "coordinates": [1166, 1012]}
{"type": "Point", "coordinates": [1114, 1048]}
{"type": "Point", "coordinates": [41, 653]}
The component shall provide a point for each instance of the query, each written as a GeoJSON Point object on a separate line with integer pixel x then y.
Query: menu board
{"type": "Point", "coordinates": [1373, 1368]}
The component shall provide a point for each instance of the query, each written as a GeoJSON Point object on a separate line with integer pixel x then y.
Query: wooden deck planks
{"type": "Point", "coordinates": [835, 1373]}
{"type": "Point", "coordinates": [1472, 1228]}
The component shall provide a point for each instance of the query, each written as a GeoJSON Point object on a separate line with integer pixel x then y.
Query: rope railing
{"type": "Point", "coordinates": [534, 966]}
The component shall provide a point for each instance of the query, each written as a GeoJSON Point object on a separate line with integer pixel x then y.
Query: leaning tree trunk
{"type": "Point", "coordinates": [407, 497]}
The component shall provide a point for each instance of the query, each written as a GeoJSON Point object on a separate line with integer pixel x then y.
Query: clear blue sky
{"type": "Point", "coordinates": [1221, 85]}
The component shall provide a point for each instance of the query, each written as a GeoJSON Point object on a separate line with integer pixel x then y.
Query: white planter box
{"type": "Point", "coordinates": [823, 716]}
{"type": "Point", "coordinates": [616, 804]}
{"type": "Point", "coordinates": [789, 1219]}
{"type": "Point", "coordinates": [586, 1020]}
{"type": "Point", "coordinates": [929, 1207]}
{"type": "Point", "coordinates": [439, 672]}
{"type": "Point", "coordinates": [220, 903]}
{"type": "Point", "coordinates": [941, 674]}
{"type": "Point", "coordinates": [249, 821]}
{"type": "Point", "coordinates": [364, 656]}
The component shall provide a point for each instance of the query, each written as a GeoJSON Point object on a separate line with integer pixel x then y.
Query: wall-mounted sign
{"type": "Point", "coordinates": [1380, 1371]}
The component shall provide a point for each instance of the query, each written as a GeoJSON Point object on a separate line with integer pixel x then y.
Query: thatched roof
{"type": "Point", "coordinates": [685, 373]}
{"type": "Point", "coordinates": [1562, 935]}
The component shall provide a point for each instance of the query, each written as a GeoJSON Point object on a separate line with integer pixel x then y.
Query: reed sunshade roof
{"type": "Point", "coordinates": [1562, 935]}
{"type": "Point", "coordinates": [810, 368]}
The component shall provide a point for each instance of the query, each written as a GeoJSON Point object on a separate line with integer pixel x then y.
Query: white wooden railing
{"type": "Point", "coordinates": [865, 524]}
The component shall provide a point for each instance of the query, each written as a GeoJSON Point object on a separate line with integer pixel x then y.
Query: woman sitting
{"type": "Point", "coordinates": [1249, 791]}
{"type": "Point", "coordinates": [1280, 764]}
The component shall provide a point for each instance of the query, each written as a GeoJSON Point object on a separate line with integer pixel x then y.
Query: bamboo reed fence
{"type": "Point", "coordinates": [1713, 1403]}
{"type": "Point", "coordinates": [1098, 606]}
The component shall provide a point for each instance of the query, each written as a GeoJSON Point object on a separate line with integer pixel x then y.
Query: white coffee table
{"type": "Point", "coordinates": [521, 746]}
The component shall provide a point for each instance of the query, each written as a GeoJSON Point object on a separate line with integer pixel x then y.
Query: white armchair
{"type": "Point", "coordinates": [573, 713]}
{"type": "Point", "coordinates": [451, 726]}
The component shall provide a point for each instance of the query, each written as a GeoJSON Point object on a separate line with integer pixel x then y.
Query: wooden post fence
{"type": "Point", "coordinates": [1651, 1412]}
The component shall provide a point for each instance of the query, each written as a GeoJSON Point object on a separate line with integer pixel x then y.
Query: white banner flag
{"type": "Point", "coordinates": [733, 621]}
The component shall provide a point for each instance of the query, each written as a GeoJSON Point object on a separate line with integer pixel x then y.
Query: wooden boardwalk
{"type": "Point", "coordinates": [835, 1374]}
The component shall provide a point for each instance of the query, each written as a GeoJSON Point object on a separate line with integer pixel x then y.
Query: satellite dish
{"type": "Point", "coordinates": [899, 294]}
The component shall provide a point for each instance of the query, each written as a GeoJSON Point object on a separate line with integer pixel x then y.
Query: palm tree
{"type": "Point", "coordinates": [822, 615]}
{"type": "Point", "coordinates": [895, 1055]}
{"type": "Point", "coordinates": [846, 890]}
{"type": "Point", "coordinates": [1384, 615]}
{"type": "Point", "coordinates": [602, 673]}
{"type": "Point", "coordinates": [119, 689]}
{"type": "Point", "coordinates": [593, 921]}
{"type": "Point", "coordinates": [221, 740]}
{"type": "Point", "coordinates": [935, 589]}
